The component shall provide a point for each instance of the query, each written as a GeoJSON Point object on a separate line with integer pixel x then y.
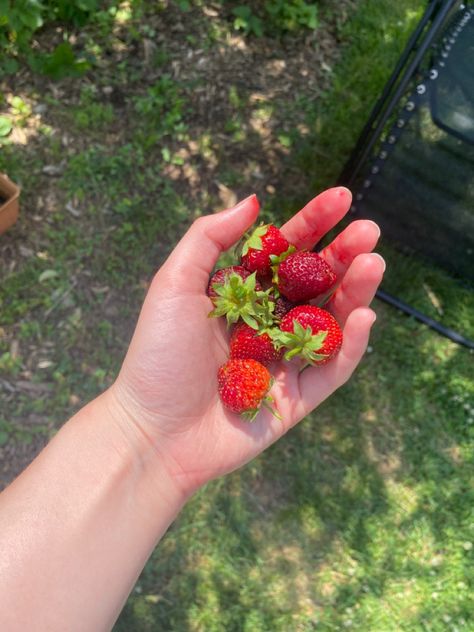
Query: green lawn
{"type": "Point", "coordinates": [361, 518]}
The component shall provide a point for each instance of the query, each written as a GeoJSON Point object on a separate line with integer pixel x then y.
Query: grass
{"type": "Point", "coordinates": [361, 517]}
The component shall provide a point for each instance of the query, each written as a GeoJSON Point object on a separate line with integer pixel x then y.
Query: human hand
{"type": "Point", "coordinates": [167, 387]}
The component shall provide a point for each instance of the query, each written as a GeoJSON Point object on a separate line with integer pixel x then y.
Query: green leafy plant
{"type": "Point", "coordinates": [77, 12]}
{"type": "Point", "coordinates": [247, 21]}
{"type": "Point", "coordinates": [21, 19]}
{"type": "Point", "coordinates": [289, 15]}
{"type": "Point", "coordinates": [5, 127]}
{"type": "Point", "coordinates": [18, 22]}
{"type": "Point", "coordinates": [161, 110]}
{"type": "Point", "coordinates": [61, 63]}
{"type": "Point", "coordinates": [276, 18]}
{"type": "Point", "coordinates": [19, 107]}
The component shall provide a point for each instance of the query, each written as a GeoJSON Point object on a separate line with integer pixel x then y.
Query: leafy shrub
{"type": "Point", "coordinates": [276, 17]}
{"type": "Point", "coordinates": [247, 21]}
{"type": "Point", "coordinates": [20, 19]}
{"type": "Point", "coordinates": [289, 15]}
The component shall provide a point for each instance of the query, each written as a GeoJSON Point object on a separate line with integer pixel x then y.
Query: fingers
{"type": "Point", "coordinates": [323, 212]}
{"type": "Point", "coordinates": [193, 259]}
{"type": "Point", "coordinates": [358, 286]}
{"type": "Point", "coordinates": [359, 237]}
{"type": "Point", "coordinates": [317, 383]}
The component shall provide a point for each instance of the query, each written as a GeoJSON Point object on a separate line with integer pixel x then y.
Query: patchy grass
{"type": "Point", "coordinates": [361, 517]}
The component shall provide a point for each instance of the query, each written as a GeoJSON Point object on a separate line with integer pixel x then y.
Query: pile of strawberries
{"type": "Point", "coordinates": [266, 298]}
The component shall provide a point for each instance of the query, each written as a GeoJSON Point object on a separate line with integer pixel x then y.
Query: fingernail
{"type": "Point", "coordinates": [343, 191]}
{"type": "Point", "coordinates": [374, 318]}
{"type": "Point", "coordinates": [376, 226]}
{"type": "Point", "coordinates": [243, 202]}
{"type": "Point", "coordinates": [376, 254]}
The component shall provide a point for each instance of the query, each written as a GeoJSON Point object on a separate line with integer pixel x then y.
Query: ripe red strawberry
{"type": "Point", "coordinates": [303, 276]}
{"type": "Point", "coordinates": [266, 240]}
{"type": "Point", "coordinates": [310, 332]}
{"type": "Point", "coordinates": [220, 277]}
{"type": "Point", "coordinates": [246, 343]}
{"type": "Point", "coordinates": [243, 386]}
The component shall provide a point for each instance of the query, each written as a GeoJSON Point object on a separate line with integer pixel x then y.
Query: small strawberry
{"type": "Point", "coordinates": [265, 241]}
{"type": "Point", "coordinates": [303, 276]}
{"type": "Point", "coordinates": [243, 387]}
{"type": "Point", "coordinates": [238, 297]}
{"type": "Point", "coordinates": [220, 277]}
{"type": "Point", "coordinates": [282, 307]}
{"type": "Point", "coordinates": [246, 343]}
{"type": "Point", "coordinates": [310, 332]}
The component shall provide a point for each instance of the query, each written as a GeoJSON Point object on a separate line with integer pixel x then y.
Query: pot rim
{"type": "Point", "coordinates": [8, 189]}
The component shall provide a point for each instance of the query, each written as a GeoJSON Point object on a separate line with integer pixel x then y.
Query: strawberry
{"type": "Point", "coordinates": [238, 297]}
{"type": "Point", "coordinates": [282, 307]}
{"type": "Point", "coordinates": [264, 242]}
{"type": "Point", "coordinates": [246, 343]}
{"type": "Point", "coordinates": [303, 276]}
{"type": "Point", "coordinates": [310, 332]}
{"type": "Point", "coordinates": [243, 386]}
{"type": "Point", "coordinates": [220, 277]}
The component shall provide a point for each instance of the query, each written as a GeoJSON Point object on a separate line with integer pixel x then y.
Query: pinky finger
{"type": "Point", "coordinates": [317, 383]}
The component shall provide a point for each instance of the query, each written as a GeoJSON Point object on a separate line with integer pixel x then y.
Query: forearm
{"type": "Point", "coordinates": [78, 525]}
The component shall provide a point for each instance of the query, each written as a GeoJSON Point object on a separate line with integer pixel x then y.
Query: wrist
{"type": "Point", "coordinates": [140, 451]}
{"type": "Point", "coordinates": [86, 514]}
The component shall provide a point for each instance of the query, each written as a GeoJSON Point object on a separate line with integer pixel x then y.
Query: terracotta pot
{"type": "Point", "coordinates": [9, 205]}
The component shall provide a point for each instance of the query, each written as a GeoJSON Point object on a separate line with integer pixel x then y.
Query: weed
{"type": "Point", "coordinates": [6, 127]}
{"type": "Point", "coordinates": [20, 20]}
{"type": "Point", "coordinates": [276, 18]}
{"type": "Point", "coordinates": [247, 21]}
{"type": "Point", "coordinates": [91, 114]}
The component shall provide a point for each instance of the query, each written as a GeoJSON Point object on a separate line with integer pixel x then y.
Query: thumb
{"type": "Point", "coordinates": [196, 254]}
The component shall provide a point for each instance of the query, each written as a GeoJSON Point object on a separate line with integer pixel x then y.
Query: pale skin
{"type": "Point", "coordinates": [80, 522]}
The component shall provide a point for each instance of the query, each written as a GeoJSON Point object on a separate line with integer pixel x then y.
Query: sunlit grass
{"type": "Point", "coordinates": [361, 517]}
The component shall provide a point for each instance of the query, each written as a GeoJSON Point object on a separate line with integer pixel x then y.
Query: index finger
{"type": "Point", "coordinates": [322, 213]}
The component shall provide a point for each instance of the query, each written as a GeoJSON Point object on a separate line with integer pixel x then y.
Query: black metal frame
{"type": "Point", "coordinates": [417, 45]}
{"type": "Point", "coordinates": [407, 66]}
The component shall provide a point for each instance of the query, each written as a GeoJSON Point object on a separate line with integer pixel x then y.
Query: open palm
{"type": "Point", "coordinates": [168, 382]}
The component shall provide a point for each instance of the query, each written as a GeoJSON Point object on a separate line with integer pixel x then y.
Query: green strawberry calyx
{"type": "Point", "coordinates": [265, 315]}
{"type": "Point", "coordinates": [238, 298]}
{"type": "Point", "coordinates": [267, 402]}
{"type": "Point", "coordinates": [255, 239]}
{"type": "Point", "coordinates": [302, 342]}
{"type": "Point", "coordinates": [275, 261]}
